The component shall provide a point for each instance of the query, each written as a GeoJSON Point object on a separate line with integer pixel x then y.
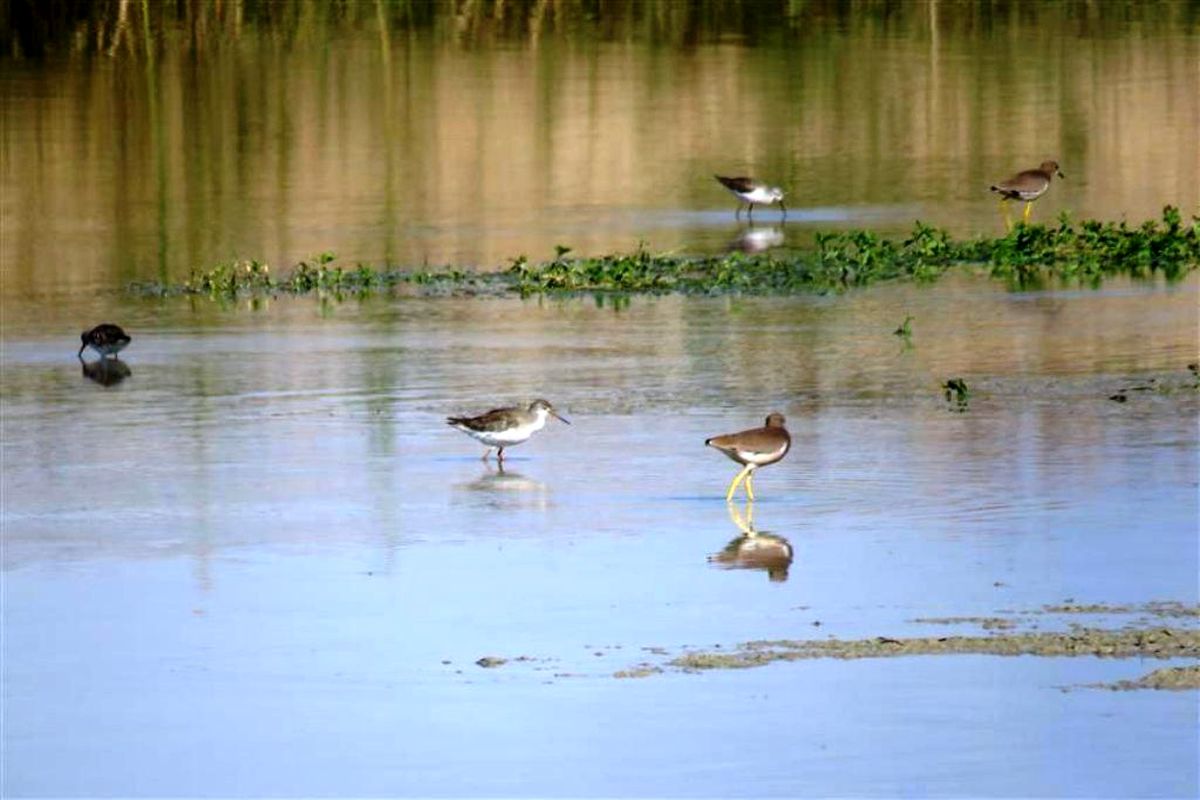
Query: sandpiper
{"type": "Point", "coordinates": [106, 339]}
{"type": "Point", "coordinates": [1028, 186]}
{"type": "Point", "coordinates": [753, 448]}
{"type": "Point", "coordinates": [750, 191]}
{"type": "Point", "coordinates": [506, 427]}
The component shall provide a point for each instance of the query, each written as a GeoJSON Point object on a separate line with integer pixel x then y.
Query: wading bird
{"type": "Point", "coordinates": [753, 448]}
{"type": "Point", "coordinates": [506, 427]}
{"type": "Point", "coordinates": [750, 191]}
{"type": "Point", "coordinates": [106, 339]}
{"type": "Point", "coordinates": [1028, 186]}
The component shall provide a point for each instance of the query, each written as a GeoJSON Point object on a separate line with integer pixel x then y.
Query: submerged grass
{"type": "Point", "coordinates": [1029, 256]}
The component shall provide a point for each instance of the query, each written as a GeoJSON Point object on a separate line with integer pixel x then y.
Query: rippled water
{"type": "Point", "coordinates": [239, 130]}
{"type": "Point", "coordinates": [250, 559]}
{"type": "Point", "coordinates": [262, 564]}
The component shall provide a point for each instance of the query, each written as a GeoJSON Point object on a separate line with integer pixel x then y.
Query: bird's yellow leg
{"type": "Point", "coordinates": [750, 484]}
{"type": "Point", "coordinates": [1028, 208]}
{"type": "Point", "coordinates": [736, 517]}
{"type": "Point", "coordinates": [736, 480]}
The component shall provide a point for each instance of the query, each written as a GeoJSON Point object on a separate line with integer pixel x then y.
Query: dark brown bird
{"type": "Point", "coordinates": [1028, 186]}
{"type": "Point", "coordinates": [753, 448]}
{"type": "Point", "coordinates": [505, 427]}
{"type": "Point", "coordinates": [106, 339]}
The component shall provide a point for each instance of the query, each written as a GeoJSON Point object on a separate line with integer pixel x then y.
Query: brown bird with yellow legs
{"type": "Point", "coordinates": [753, 448]}
{"type": "Point", "coordinates": [1028, 186]}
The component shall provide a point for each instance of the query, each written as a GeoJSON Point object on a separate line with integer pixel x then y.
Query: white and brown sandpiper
{"type": "Point", "coordinates": [750, 191]}
{"type": "Point", "coordinates": [506, 427]}
{"type": "Point", "coordinates": [1028, 186]}
{"type": "Point", "coordinates": [753, 448]}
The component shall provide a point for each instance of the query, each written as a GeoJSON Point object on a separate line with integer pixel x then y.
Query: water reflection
{"type": "Point", "coordinates": [499, 487]}
{"type": "Point", "coordinates": [521, 132]}
{"type": "Point", "coordinates": [754, 549]}
{"type": "Point", "coordinates": [756, 239]}
{"type": "Point", "coordinates": [106, 371]}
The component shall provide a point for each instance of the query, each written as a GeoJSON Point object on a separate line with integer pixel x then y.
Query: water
{"type": "Point", "coordinates": [262, 564]}
{"type": "Point", "coordinates": [253, 560]}
{"type": "Point", "coordinates": [224, 134]}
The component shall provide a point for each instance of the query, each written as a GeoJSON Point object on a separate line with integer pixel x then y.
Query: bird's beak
{"type": "Point", "coordinates": [560, 419]}
{"type": "Point", "coordinates": [82, 347]}
{"type": "Point", "coordinates": [1064, 177]}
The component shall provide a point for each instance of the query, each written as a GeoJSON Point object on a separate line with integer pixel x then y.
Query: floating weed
{"type": "Point", "coordinates": [1027, 257]}
{"type": "Point", "coordinates": [957, 392]}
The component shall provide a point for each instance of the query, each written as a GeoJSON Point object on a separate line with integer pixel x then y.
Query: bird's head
{"type": "Point", "coordinates": [1051, 168]}
{"type": "Point", "coordinates": [540, 406]}
{"type": "Point", "coordinates": [775, 420]}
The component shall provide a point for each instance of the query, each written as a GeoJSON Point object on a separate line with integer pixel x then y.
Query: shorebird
{"type": "Point", "coordinates": [1028, 186]}
{"type": "Point", "coordinates": [753, 448]}
{"type": "Point", "coordinates": [748, 190]}
{"type": "Point", "coordinates": [506, 427]}
{"type": "Point", "coordinates": [106, 339]}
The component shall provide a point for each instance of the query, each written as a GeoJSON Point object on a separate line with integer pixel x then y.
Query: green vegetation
{"type": "Point", "coordinates": [957, 392]}
{"type": "Point", "coordinates": [1030, 256]}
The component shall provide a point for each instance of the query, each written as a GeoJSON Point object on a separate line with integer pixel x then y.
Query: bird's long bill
{"type": "Point", "coordinates": [82, 347]}
{"type": "Point", "coordinates": [1064, 177]}
{"type": "Point", "coordinates": [555, 414]}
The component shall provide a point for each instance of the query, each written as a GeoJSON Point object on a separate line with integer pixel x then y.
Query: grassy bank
{"type": "Point", "coordinates": [1029, 256]}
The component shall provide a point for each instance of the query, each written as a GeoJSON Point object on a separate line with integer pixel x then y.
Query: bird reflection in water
{"type": "Point", "coordinates": [107, 371]}
{"type": "Point", "coordinates": [754, 549]}
{"type": "Point", "coordinates": [502, 487]}
{"type": "Point", "coordinates": [755, 239]}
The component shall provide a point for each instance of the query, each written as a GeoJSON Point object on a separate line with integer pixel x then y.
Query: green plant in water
{"type": "Point", "coordinates": [1027, 257]}
{"type": "Point", "coordinates": [957, 392]}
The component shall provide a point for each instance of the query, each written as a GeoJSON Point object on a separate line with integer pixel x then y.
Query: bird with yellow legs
{"type": "Point", "coordinates": [1028, 186]}
{"type": "Point", "coordinates": [753, 448]}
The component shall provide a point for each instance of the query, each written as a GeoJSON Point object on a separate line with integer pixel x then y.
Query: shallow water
{"type": "Point", "coordinates": [142, 149]}
{"type": "Point", "coordinates": [250, 558]}
{"type": "Point", "coordinates": [261, 563]}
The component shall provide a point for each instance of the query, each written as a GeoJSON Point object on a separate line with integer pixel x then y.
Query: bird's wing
{"type": "Point", "coordinates": [494, 420]}
{"type": "Point", "coordinates": [1028, 181]}
{"type": "Point", "coordinates": [740, 184]}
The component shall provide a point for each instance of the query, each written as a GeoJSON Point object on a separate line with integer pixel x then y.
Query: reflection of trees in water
{"type": "Point", "coordinates": [354, 126]}
{"type": "Point", "coordinates": [41, 27]}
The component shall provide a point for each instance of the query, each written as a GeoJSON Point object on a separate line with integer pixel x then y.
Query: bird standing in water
{"type": "Point", "coordinates": [753, 448]}
{"type": "Point", "coordinates": [751, 191]}
{"type": "Point", "coordinates": [106, 339]}
{"type": "Point", "coordinates": [506, 427]}
{"type": "Point", "coordinates": [1028, 186]}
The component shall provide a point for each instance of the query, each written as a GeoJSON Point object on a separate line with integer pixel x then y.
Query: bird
{"type": "Point", "coordinates": [748, 190]}
{"type": "Point", "coordinates": [1028, 186]}
{"type": "Point", "coordinates": [506, 427]}
{"type": "Point", "coordinates": [753, 448]}
{"type": "Point", "coordinates": [106, 339]}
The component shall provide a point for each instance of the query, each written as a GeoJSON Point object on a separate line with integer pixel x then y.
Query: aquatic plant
{"type": "Point", "coordinates": [1029, 256]}
{"type": "Point", "coordinates": [957, 392]}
